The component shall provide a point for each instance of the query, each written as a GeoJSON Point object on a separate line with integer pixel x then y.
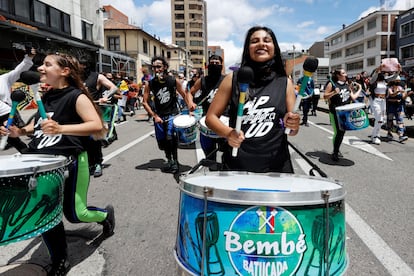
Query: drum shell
{"type": "Point", "coordinates": [204, 130]}
{"type": "Point", "coordinates": [186, 129]}
{"type": "Point", "coordinates": [29, 211]}
{"type": "Point", "coordinates": [352, 117]}
{"type": "Point", "coordinates": [234, 213]}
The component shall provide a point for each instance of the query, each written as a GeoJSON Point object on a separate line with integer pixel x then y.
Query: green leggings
{"type": "Point", "coordinates": [75, 205]}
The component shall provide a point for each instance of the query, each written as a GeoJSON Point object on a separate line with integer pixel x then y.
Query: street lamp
{"type": "Point", "coordinates": [186, 49]}
{"type": "Point", "coordinates": [293, 67]}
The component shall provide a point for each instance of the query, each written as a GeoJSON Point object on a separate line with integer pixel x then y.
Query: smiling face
{"type": "Point", "coordinates": [52, 73]}
{"type": "Point", "coordinates": [261, 46]}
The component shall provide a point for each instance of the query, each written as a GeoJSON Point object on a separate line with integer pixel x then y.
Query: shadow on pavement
{"type": "Point", "coordinates": [325, 158]}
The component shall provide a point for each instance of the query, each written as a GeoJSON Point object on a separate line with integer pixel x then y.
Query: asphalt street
{"type": "Point", "coordinates": [377, 180]}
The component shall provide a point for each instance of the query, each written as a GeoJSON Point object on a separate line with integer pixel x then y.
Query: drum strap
{"type": "Point", "coordinates": [313, 165]}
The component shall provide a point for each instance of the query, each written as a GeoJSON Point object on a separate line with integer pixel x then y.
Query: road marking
{"type": "Point", "coordinates": [355, 142]}
{"type": "Point", "coordinates": [386, 256]}
{"type": "Point", "coordinates": [127, 146]}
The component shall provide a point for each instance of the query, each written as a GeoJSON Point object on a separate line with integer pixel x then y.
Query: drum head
{"type": "Point", "coordinates": [351, 106]}
{"type": "Point", "coordinates": [184, 121]}
{"type": "Point", "coordinates": [20, 164]}
{"type": "Point", "coordinates": [264, 189]}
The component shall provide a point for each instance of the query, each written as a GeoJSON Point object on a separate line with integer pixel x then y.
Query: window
{"type": "Point", "coordinates": [155, 50]}
{"type": "Point", "coordinates": [407, 52]}
{"type": "Point", "coordinates": [359, 49]}
{"type": "Point", "coordinates": [407, 29]}
{"type": "Point", "coordinates": [180, 25]}
{"type": "Point", "coordinates": [55, 18]}
{"type": "Point", "coordinates": [337, 54]}
{"type": "Point", "coordinates": [40, 14]}
{"type": "Point", "coordinates": [145, 46]}
{"type": "Point", "coordinates": [336, 40]}
{"type": "Point", "coordinates": [66, 23]}
{"type": "Point", "coordinates": [4, 5]}
{"type": "Point", "coordinates": [371, 24]}
{"type": "Point", "coordinates": [354, 34]}
{"type": "Point", "coordinates": [179, 7]}
{"type": "Point", "coordinates": [114, 43]}
{"type": "Point", "coordinates": [86, 31]}
{"type": "Point", "coordinates": [22, 8]}
{"type": "Point", "coordinates": [179, 16]}
{"type": "Point", "coordinates": [371, 61]}
{"type": "Point", "coordinates": [371, 44]}
{"type": "Point", "coordinates": [355, 66]}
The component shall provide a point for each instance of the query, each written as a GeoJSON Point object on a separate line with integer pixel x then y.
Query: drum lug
{"type": "Point", "coordinates": [32, 184]}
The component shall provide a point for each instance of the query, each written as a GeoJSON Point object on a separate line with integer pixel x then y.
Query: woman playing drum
{"type": "Point", "coordinates": [339, 93]}
{"type": "Point", "coordinates": [262, 144]}
{"type": "Point", "coordinates": [71, 118]}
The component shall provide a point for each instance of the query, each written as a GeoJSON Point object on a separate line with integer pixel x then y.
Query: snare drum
{"type": "Point", "coordinates": [31, 195]}
{"type": "Point", "coordinates": [238, 223]}
{"type": "Point", "coordinates": [352, 116]}
{"type": "Point", "coordinates": [208, 132]}
{"type": "Point", "coordinates": [186, 127]}
{"type": "Point", "coordinates": [109, 116]}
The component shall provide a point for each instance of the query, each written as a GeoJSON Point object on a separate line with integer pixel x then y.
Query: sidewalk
{"type": "Point", "coordinates": [409, 124]}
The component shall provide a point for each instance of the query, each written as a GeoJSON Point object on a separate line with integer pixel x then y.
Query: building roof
{"type": "Point", "coordinates": [111, 24]}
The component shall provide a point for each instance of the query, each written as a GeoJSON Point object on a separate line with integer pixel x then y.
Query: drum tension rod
{"type": "Point", "coordinates": [325, 195]}
{"type": "Point", "coordinates": [32, 184]}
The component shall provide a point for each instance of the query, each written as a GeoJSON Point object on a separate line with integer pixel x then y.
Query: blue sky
{"type": "Point", "coordinates": [295, 22]}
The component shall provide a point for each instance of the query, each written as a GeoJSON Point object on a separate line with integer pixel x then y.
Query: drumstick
{"type": "Point", "coordinates": [40, 106]}
{"type": "Point", "coordinates": [244, 76]}
{"type": "Point", "coordinates": [309, 67]}
{"type": "Point", "coordinates": [17, 96]}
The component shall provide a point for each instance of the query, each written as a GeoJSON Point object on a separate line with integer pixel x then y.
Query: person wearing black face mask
{"type": "Point", "coordinates": [201, 95]}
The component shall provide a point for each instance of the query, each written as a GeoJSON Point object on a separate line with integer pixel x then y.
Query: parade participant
{"type": "Point", "coordinates": [72, 117]}
{"type": "Point", "coordinates": [307, 100]}
{"type": "Point", "coordinates": [164, 88]}
{"type": "Point", "coordinates": [378, 90]}
{"type": "Point", "coordinates": [315, 99]}
{"type": "Point", "coordinates": [395, 108]}
{"type": "Point", "coordinates": [262, 144]}
{"type": "Point", "coordinates": [6, 82]}
{"type": "Point", "coordinates": [95, 83]}
{"type": "Point", "coordinates": [338, 93]}
{"type": "Point", "coordinates": [208, 86]}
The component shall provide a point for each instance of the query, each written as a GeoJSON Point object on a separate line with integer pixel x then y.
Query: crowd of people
{"type": "Point", "coordinates": [253, 139]}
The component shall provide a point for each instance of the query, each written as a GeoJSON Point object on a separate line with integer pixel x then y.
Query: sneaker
{"type": "Point", "coordinates": [60, 268]}
{"type": "Point", "coordinates": [335, 157]}
{"type": "Point", "coordinates": [109, 222]}
{"type": "Point", "coordinates": [376, 141]}
{"type": "Point", "coordinates": [402, 138]}
{"type": "Point", "coordinates": [98, 171]}
{"type": "Point", "coordinates": [389, 136]}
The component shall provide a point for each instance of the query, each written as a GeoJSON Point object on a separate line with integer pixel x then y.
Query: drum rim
{"type": "Point", "coordinates": [60, 161]}
{"type": "Point", "coordinates": [262, 198]}
{"type": "Point", "coordinates": [362, 106]}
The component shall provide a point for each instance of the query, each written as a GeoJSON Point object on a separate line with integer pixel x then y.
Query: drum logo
{"type": "Point", "coordinates": [265, 240]}
{"type": "Point", "coordinates": [358, 118]}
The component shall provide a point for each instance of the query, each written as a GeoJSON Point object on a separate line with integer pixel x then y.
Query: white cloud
{"type": "Point", "coordinates": [305, 24]}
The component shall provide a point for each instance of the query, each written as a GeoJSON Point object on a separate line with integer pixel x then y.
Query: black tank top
{"type": "Point", "coordinates": [209, 88]}
{"type": "Point", "coordinates": [91, 83]}
{"type": "Point", "coordinates": [343, 98]}
{"type": "Point", "coordinates": [165, 96]}
{"type": "Point", "coordinates": [60, 105]}
{"type": "Point", "coordinates": [265, 148]}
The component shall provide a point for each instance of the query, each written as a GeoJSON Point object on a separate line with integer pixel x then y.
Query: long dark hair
{"type": "Point", "coordinates": [277, 64]}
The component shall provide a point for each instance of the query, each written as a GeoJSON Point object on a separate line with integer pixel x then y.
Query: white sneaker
{"type": "Point", "coordinates": [376, 140]}
{"type": "Point", "coordinates": [402, 139]}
